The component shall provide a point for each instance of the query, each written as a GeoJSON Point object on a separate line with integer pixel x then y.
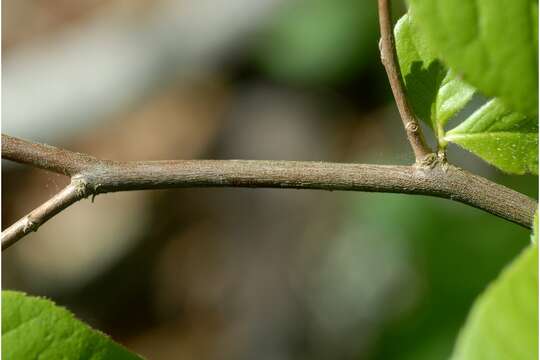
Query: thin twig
{"type": "Point", "coordinates": [422, 152]}
{"type": "Point", "coordinates": [103, 176]}
{"type": "Point", "coordinates": [72, 193]}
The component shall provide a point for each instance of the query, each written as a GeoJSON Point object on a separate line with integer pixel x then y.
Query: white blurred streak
{"type": "Point", "coordinates": [68, 82]}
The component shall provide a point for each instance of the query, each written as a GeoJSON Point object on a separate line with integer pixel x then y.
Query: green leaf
{"type": "Point", "coordinates": [435, 93]}
{"type": "Point", "coordinates": [35, 328]}
{"type": "Point", "coordinates": [503, 138]}
{"type": "Point", "coordinates": [491, 43]}
{"type": "Point", "coordinates": [503, 323]}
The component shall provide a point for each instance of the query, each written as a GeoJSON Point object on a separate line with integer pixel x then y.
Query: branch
{"type": "Point", "coordinates": [391, 65]}
{"type": "Point", "coordinates": [92, 176]}
{"type": "Point", "coordinates": [72, 193]}
{"type": "Point", "coordinates": [44, 156]}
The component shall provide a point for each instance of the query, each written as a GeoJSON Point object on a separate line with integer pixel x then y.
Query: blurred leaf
{"type": "Point", "coordinates": [435, 93]}
{"type": "Point", "coordinates": [490, 42]}
{"type": "Point", "coordinates": [503, 138]}
{"type": "Point", "coordinates": [534, 236]}
{"type": "Point", "coordinates": [503, 323]}
{"type": "Point", "coordinates": [35, 328]}
{"type": "Point", "coordinates": [437, 234]}
{"type": "Point", "coordinates": [320, 41]}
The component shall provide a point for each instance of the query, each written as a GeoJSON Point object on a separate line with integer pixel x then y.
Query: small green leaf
{"type": "Point", "coordinates": [503, 138]}
{"type": "Point", "coordinates": [453, 95]}
{"type": "Point", "coordinates": [435, 93]}
{"type": "Point", "coordinates": [35, 328]}
{"type": "Point", "coordinates": [491, 43]}
{"type": "Point", "coordinates": [503, 323]}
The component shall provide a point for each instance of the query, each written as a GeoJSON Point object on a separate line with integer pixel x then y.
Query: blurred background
{"type": "Point", "coordinates": [235, 273]}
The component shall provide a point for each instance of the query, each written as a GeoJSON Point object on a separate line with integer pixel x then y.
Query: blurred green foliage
{"type": "Point", "coordinates": [454, 251]}
{"type": "Point", "coordinates": [320, 41]}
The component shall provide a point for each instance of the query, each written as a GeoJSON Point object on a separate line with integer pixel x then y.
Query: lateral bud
{"type": "Point", "coordinates": [411, 127]}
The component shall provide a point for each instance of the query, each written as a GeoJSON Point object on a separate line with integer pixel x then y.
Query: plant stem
{"type": "Point", "coordinates": [92, 176]}
{"type": "Point", "coordinates": [31, 222]}
{"type": "Point", "coordinates": [422, 152]}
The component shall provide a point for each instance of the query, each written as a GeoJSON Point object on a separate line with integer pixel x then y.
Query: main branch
{"type": "Point", "coordinates": [92, 176]}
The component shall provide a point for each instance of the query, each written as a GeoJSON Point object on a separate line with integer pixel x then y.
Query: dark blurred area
{"type": "Point", "coordinates": [235, 273]}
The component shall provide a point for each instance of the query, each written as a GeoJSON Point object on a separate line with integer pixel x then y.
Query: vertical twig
{"type": "Point", "coordinates": [389, 60]}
